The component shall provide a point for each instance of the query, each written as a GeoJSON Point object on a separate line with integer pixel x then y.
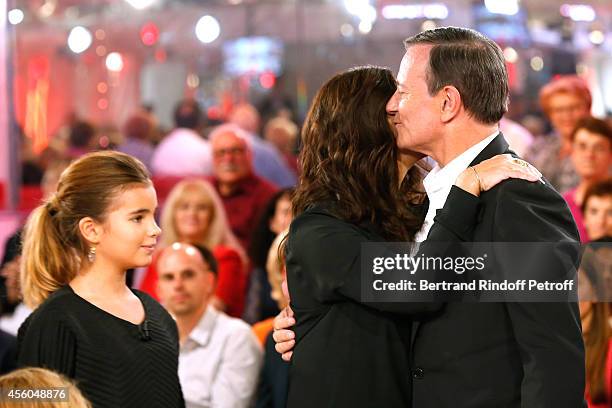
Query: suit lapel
{"type": "Point", "coordinates": [497, 146]}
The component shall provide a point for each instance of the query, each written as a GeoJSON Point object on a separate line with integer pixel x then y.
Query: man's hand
{"type": "Point", "coordinates": [284, 338]}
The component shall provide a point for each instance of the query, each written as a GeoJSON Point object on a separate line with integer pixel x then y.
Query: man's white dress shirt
{"type": "Point", "coordinates": [440, 180]}
{"type": "Point", "coordinates": [219, 362]}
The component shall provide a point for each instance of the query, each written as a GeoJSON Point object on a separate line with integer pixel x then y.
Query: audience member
{"type": "Point", "coordinates": [82, 139]}
{"type": "Point", "coordinates": [194, 213]}
{"type": "Point", "coordinates": [219, 358]}
{"type": "Point", "coordinates": [183, 152]}
{"type": "Point", "coordinates": [137, 131]}
{"type": "Point", "coordinates": [267, 160]}
{"type": "Point", "coordinates": [244, 194]}
{"type": "Point", "coordinates": [13, 311]}
{"type": "Point", "coordinates": [33, 378]}
{"type": "Point", "coordinates": [591, 156]}
{"type": "Point", "coordinates": [597, 210]}
{"type": "Point", "coordinates": [275, 218]}
{"type": "Point", "coordinates": [565, 101]}
{"type": "Point", "coordinates": [273, 382]}
{"type": "Point", "coordinates": [283, 134]}
{"type": "Point", "coordinates": [596, 329]}
{"type": "Point", "coordinates": [275, 274]}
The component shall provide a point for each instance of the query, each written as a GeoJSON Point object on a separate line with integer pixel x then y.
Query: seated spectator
{"type": "Point", "coordinates": [565, 101]}
{"type": "Point", "coordinates": [183, 151]}
{"type": "Point", "coordinates": [244, 194]}
{"type": "Point", "coordinates": [273, 382]}
{"type": "Point", "coordinates": [267, 160]}
{"type": "Point", "coordinates": [591, 157]}
{"type": "Point", "coordinates": [34, 378]}
{"type": "Point", "coordinates": [219, 358]}
{"type": "Point", "coordinates": [596, 329]}
{"type": "Point", "coordinates": [194, 213]}
{"type": "Point", "coordinates": [283, 134]}
{"type": "Point", "coordinates": [275, 219]}
{"type": "Point", "coordinates": [597, 210]}
{"type": "Point", "coordinates": [137, 132]}
{"type": "Point", "coordinates": [82, 139]}
{"type": "Point", "coordinates": [275, 274]}
{"type": "Point", "coordinates": [12, 311]}
{"type": "Point", "coordinates": [13, 318]}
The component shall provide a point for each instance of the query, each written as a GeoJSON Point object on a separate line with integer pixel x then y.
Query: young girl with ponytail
{"type": "Point", "coordinates": [119, 345]}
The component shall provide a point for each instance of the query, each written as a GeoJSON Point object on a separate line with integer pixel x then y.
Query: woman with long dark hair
{"type": "Point", "coordinates": [356, 188]}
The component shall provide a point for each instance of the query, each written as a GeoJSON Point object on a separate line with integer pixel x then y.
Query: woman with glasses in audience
{"type": "Point", "coordinates": [564, 100]}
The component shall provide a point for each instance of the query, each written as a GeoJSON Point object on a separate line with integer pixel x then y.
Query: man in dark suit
{"type": "Point", "coordinates": [452, 92]}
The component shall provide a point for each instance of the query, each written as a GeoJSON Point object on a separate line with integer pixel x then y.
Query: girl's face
{"type": "Point", "coordinates": [129, 233]}
{"type": "Point", "coordinates": [193, 215]}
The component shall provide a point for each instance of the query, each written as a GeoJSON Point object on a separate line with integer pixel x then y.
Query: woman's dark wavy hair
{"type": "Point", "coordinates": [349, 156]}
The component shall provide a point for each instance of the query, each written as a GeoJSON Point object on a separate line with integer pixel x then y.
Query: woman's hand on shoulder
{"type": "Point", "coordinates": [488, 173]}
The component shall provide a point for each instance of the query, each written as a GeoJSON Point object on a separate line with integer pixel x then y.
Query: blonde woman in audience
{"type": "Point", "coordinates": [194, 213]}
{"type": "Point", "coordinates": [273, 380]}
{"type": "Point", "coordinates": [275, 268]}
{"type": "Point", "coordinates": [119, 344]}
{"type": "Point", "coordinates": [33, 378]}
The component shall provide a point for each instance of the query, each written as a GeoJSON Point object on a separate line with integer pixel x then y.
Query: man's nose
{"type": "Point", "coordinates": [392, 104]}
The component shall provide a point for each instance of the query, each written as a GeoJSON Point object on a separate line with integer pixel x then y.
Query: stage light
{"type": "Point", "coordinates": [79, 39]}
{"type": "Point", "coordinates": [149, 33]}
{"type": "Point", "coordinates": [506, 7]}
{"type": "Point", "coordinates": [114, 62]}
{"type": "Point", "coordinates": [193, 81]}
{"type": "Point", "coordinates": [347, 30]}
{"type": "Point", "coordinates": [597, 37]}
{"type": "Point", "coordinates": [140, 4]}
{"type": "Point", "coordinates": [578, 12]}
{"type": "Point", "coordinates": [15, 16]}
{"type": "Point", "coordinates": [364, 11]}
{"type": "Point", "coordinates": [102, 87]}
{"type": "Point", "coordinates": [365, 27]}
{"type": "Point", "coordinates": [510, 55]}
{"type": "Point", "coordinates": [432, 11]}
{"type": "Point", "coordinates": [267, 80]}
{"type": "Point", "coordinates": [537, 63]}
{"type": "Point", "coordinates": [207, 29]}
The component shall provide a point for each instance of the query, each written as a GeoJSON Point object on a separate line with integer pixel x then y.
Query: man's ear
{"type": "Point", "coordinates": [90, 230]}
{"type": "Point", "coordinates": [450, 103]}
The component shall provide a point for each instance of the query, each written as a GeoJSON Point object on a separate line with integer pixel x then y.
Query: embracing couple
{"type": "Point", "coordinates": [361, 183]}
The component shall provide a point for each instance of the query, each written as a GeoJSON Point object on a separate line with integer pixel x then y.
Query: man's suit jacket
{"type": "Point", "coordinates": [504, 354]}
